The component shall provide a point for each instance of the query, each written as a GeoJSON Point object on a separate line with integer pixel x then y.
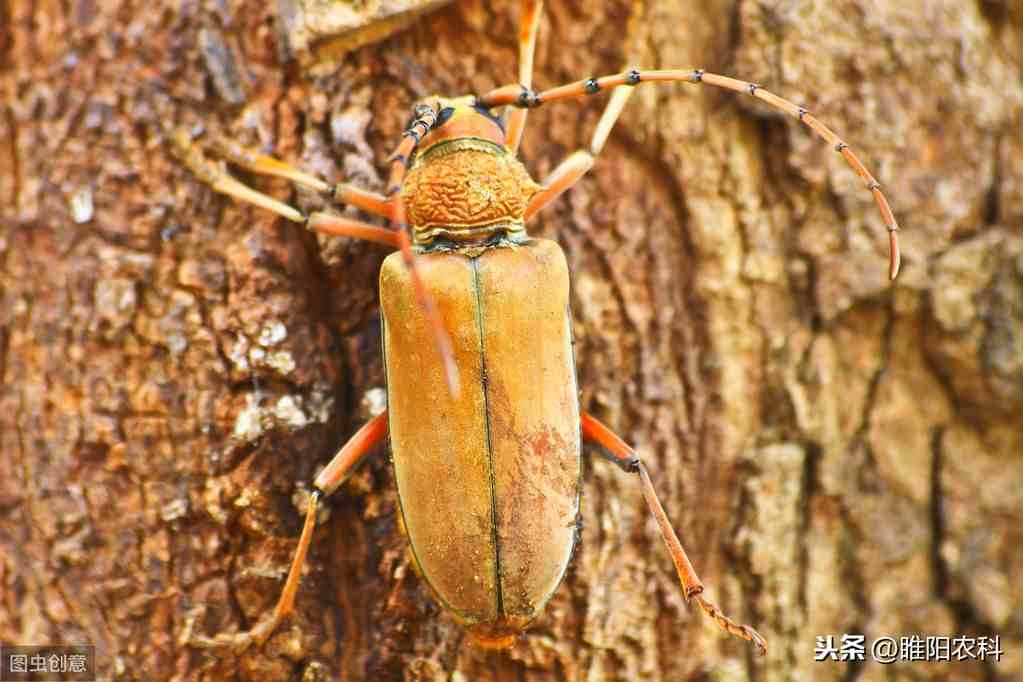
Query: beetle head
{"type": "Point", "coordinates": [461, 118]}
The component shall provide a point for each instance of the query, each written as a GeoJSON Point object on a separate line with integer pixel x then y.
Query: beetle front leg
{"type": "Point", "coordinates": [335, 473]}
{"type": "Point", "coordinates": [573, 168]}
{"type": "Point", "coordinates": [615, 449]}
{"type": "Point", "coordinates": [217, 177]}
{"type": "Point", "coordinates": [529, 25]}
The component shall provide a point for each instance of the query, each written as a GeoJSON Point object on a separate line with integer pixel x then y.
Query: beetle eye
{"type": "Point", "coordinates": [443, 116]}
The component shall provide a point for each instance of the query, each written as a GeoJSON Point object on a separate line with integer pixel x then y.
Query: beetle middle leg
{"type": "Point", "coordinates": [335, 473]}
{"type": "Point", "coordinates": [615, 449]}
{"type": "Point", "coordinates": [529, 25]}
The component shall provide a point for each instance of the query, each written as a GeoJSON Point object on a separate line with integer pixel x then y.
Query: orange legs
{"type": "Point", "coordinates": [391, 207]}
{"type": "Point", "coordinates": [518, 96]}
{"type": "Point", "coordinates": [339, 226]}
{"type": "Point", "coordinates": [267, 165]}
{"type": "Point", "coordinates": [569, 171]}
{"type": "Point", "coordinates": [216, 176]}
{"type": "Point", "coordinates": [529, 24]}
{"type": "Point", "coordinates": [615, 449]}
{"type": "Point", "coordinates": [343, 463]}
{"type": "Point", "coordinates": [348, 457]}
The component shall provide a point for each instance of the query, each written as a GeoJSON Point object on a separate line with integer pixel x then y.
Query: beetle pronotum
{"type": "Point", "coordinates": [494, 413]}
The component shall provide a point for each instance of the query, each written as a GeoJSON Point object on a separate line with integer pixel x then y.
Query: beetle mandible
{"type": "Point", "coordinates": [478, 349]}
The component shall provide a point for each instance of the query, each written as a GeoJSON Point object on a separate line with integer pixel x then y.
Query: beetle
{"type": "Point", "coordinates": [483, 414]}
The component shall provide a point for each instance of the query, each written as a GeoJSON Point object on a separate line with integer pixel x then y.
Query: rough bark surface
{"type": "Point", "coordinates": [840, 456]}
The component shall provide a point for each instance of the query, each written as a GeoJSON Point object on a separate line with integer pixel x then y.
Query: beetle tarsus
{"type": "Point", "coordinates": [729, 625]}
{"type": "Point", "coordinates": [237, 642]}
{"type": "Point", "coordinates": [894, 254]}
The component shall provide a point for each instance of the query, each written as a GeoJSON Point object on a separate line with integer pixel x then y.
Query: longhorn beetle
{"type": "Point", "coordinates": [483, 413]}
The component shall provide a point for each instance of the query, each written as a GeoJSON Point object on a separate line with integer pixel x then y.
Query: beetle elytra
{"type": "Point", "coordinates": [483, 413]}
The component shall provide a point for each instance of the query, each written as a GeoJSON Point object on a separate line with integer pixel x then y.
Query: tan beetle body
{"type": "Point", "coordinates": [488, 479]}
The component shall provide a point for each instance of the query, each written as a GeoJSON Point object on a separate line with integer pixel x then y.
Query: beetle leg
{"type": "Point", "coordinates": [514, 95]}
{"type": "Point", "coordinates": [335, 473]}
{"type": "Point", "coordinates": [569, 171]}
{"type": "Point", "coordinates": [329, 223]}
{"type": "Point", "coordinates": [216, 176]}
{"type": "Point", "coordinates": [614, 448]}
{"type": "Point", "coordinates": [349, 456]}
{"type": "Point", "coordinates": [529, 24]}
{"type": "Point", "coordinates": [260, 163]}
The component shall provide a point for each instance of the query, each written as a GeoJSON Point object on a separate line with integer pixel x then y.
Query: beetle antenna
{"type": "Point", "coordinates": [523, 97]}
{"type": "Point", "coordinates": [423, 119]}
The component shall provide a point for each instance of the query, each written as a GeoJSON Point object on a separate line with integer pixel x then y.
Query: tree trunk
{"type": "Point", "coordinates": [838, 454]}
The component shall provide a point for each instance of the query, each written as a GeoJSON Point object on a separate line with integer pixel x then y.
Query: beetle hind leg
{"type": "Point", "coordinates": [265, 627]}
{"type": "Point", "coordinates": [332, 476]}
{"type": "Point", "coordinates": [614, 448]}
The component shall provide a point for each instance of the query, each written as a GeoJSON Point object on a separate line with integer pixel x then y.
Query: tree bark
{"type": "Point", "coordinates": [838, 454]}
